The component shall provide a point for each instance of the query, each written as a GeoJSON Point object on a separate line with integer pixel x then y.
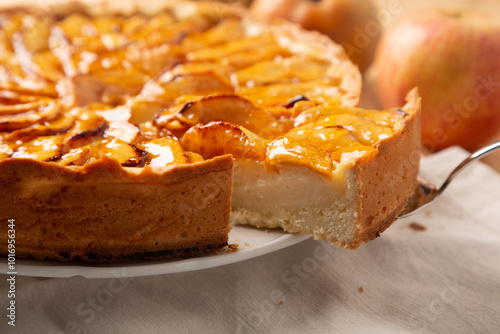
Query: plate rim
{"type": "Point", "coordinates": [151, 268]}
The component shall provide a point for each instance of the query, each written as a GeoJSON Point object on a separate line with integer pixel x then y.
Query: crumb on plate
{"type": "Point", "coordinates": [231, 248]}
{"type": "Point", "coordinates": [417, 227]}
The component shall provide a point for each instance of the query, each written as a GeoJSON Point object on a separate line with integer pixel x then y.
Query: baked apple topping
{"type": "Point", "coordinates": [160, 90]}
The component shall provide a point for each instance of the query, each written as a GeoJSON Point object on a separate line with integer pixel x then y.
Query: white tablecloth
{"type": "Point", "coordinates": [445, 279]}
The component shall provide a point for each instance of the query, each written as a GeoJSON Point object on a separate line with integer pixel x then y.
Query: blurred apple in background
{"type": "Point", "coordinates": [351, 23]}
{"type": "Point", "coordinates": [453, 56]}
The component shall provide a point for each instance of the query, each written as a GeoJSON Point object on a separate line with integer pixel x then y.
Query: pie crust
{"type": "Point", "coordinates": [103, 212]}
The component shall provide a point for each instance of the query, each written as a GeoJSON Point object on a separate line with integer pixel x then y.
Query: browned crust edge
{"type": "Point", "coordinates": [109, 225]}
{"type": "Point", "coordinates": [387, 179]}
{"type": "Point", "coordinates": [89, 257]}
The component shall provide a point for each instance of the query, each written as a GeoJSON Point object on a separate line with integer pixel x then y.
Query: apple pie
{"type": "Point", "coordinates": [130, 134]}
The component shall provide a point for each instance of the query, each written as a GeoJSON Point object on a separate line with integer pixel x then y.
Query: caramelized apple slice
{"type": "Point", "coordinates": [284, 151]}
{"type": "Point", "coordinates": [226, 108]}
{"type": "Point", "coordinates": [224, 32]}
{"type": "Point", "coordinates": [219, 138]}
{"type": "Point", "coordinates": [387, 118]}
{"type": "Point", "coordinates": [320, 91]}
{"type": "Point", "coordinates": [14, 109]}
{"type": "Point", "coordinates": [44, 113]}
{"type": "Point", "coordinates": [9, 97]}
{"type": "Point", "coordinates": [335, 139]}
{"type": "Point", "coordinates": [85, 132]}
{"type": "Point", "coordinates": [171, 33]}
{"type": "Point", "coordinates": [80, 156]}
{"type": "Point", "coordinates": [85, 45]}
{"type": "Point", "coordinates": [109, 30]}
{"type": "Point", "coordinates": [41, 149]}
{"type": "Point", "coordinates": [152, 60]}
{"type": "Point", "coordinates": [170, 88]}
{"type": "Point", "coordinates": [285, 116]}
{"type": "Point", "coordinates": [222, 51]}
{"type": "Point", "coordinates": [381, 118]}
{"type": "Point", "coordinates": [61, 125]}
{"type": "Point", "coordinates": [194, 157]}
{"type": "Point", "coordinates": [314, 114]}
{"type": "Point", "coordinates": [11, 23]}
{"type": "Point", "coordinates": [283, 70]}
{"type": "Point", "coordinates": [62, 45]}
{"type": "Point", "coordinates": [253, 56]}
{"type": "Point", "coordinates": [126, 154]}
{"type": "Point", "coordinates": [318, 146]}
{"type": "Point", "coordinates": [134, 23]}
{"type": "Point", "coordinates": [6, 149]}
{"type": "Point", "coordinates": [363, 130]}
{"type": "Point", "coordinates": [13, 77]}
{"type": "Point", "coordinates": [147, 131]}
{"type": "Point", "coordinates": [105, 24]}
{"type": "Point", "coordinates": [149, 27]}
{"type": "Point", "coordinates": [107, 86]}
{"type": "Point", "coordinates": [36, 32]}
{"type": "Point", "coordinates": [163, 152]}
{"type": "Point", "coordinates": [142, 110]}
{"type": "Point", "coordinates": [33, 33]}
{"type": "Point", "coordinates": [47, 66]}
{"type": "Point", "coordinates": [105, 60]}
{"type": "Point", "coordinates": [23, 53]}
{"type": "Point", "coordinates": [122, 130]}
{"type": "Point", "coordinates": [73, 25]}
{"type": "Point", "coordinates": [368, 126]}
{"type": "Point", "coordinates": [196, 68]}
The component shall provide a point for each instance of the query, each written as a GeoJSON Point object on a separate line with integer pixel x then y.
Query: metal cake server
{"type": "Point", "coordinates": [426, 193]}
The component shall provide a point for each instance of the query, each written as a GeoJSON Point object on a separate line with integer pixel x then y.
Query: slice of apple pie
{"type": "Point", "coordinates": [126, 133]}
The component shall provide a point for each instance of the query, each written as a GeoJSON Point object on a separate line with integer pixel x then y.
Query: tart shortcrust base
{"type": "Point", "coordinates": [361, 199]}
{"type": "Point", "coordinates": [104, 212]}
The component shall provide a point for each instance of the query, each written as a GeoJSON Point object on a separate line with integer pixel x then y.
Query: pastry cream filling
{"type": "Point", "coordinates": [293, 198]}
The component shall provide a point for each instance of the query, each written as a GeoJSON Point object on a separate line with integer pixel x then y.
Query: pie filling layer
{"type": "Point", "coordinates": [95, 96]}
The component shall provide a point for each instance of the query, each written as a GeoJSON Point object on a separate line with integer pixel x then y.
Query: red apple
{"type": "Point", "coordinates": [453, 56]}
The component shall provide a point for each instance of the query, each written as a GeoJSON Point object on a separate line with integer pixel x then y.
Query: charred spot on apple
{"type": "Point", "coordinates": [136, 161]}
{"type": "Point", "coordinates": [291, 103]}
{"type": "Point", "coordinates": [336, 126]}
{"type": "Point", "coordinates": [84, 137]}
{"type": "Point", "coordinates": [400, 112]}
{"type": "Point", "coordinates": [54, 158]}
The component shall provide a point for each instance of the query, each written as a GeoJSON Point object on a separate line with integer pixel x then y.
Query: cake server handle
{"type": "Point", "coordinates": [426, 193]}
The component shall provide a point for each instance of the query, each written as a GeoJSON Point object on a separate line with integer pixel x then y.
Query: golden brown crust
{"type": "Point", "coordinates": [388, 178]}
{"type": "Point", "coordinates": [104, 212]}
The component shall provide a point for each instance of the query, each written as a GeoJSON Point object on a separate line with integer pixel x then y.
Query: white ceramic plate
{"type": "Point", "coordinates": [252, 243]}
